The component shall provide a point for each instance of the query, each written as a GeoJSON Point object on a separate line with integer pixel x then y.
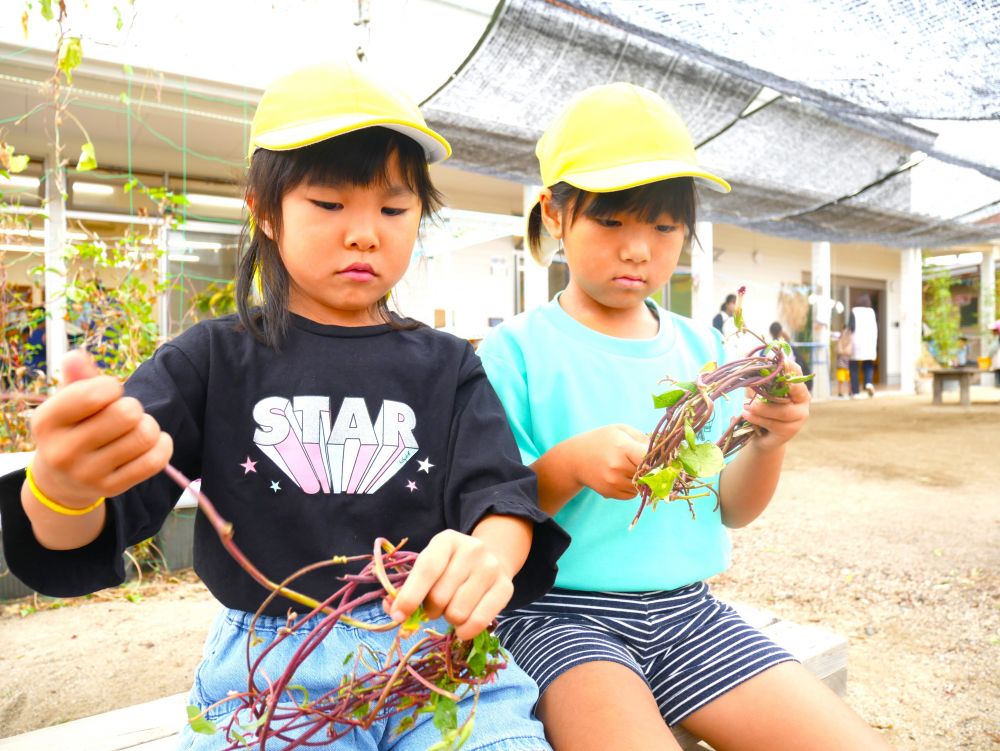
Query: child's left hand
{"type": "Point", "coordinates": [457, 576]}
{"type": "Point", "coordinates": [780, 420]}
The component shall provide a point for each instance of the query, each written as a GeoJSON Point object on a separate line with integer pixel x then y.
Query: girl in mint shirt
{"type": "Point", "coordinates": [631, 641]}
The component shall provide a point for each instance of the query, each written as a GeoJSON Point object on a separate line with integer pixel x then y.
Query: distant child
{"type": "Point", "coordinates": [631, 641]}
{"type": "Point", "coordinates": [317, 421]}
{"type": "Point", "coordinates": [845, 346]}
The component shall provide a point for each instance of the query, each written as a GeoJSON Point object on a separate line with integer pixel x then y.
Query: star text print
{"type": "Point", "coordinates": [350, 455]}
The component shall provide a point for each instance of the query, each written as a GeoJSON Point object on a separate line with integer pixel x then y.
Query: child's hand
{"type": "Point", "coordinates": [781, 420]}
{"type": "Point", "coordinates": [606, 459]}
{"type": "Point", "coordinates": [92, 441]}
{"type": "Point", "coordinates": [459, 577]}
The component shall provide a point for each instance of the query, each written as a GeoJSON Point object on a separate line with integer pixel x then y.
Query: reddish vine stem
{"type": "Point", "coordinates": [761, 373]}
{"type": "Point", "coordinates": [432, 670]}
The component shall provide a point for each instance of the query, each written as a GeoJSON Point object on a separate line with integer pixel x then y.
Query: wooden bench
{"type": "Point", "coordinates": [154, 726]}
{"type": "Point", "coordinates": [964, 377]}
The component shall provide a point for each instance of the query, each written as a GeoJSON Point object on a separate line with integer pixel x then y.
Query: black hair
{"type": "Point", "coordinates": [775, 330]}
{"type": "Point", "coordinates": [730, 298]}
{"type": "Point", "coordinates": [675, 196]}
{"type": "Point", "coordinates": [360, 158]}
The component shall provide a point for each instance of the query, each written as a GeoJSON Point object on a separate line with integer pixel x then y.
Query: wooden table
{"type": "Point", "coordinates": [962, 375]}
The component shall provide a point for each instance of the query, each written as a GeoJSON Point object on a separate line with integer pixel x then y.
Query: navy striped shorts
{"type": "Point", "coordinates": [689, 647]}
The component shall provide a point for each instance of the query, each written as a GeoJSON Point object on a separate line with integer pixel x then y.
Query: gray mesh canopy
{"type": "Point", "coordinates": [819, 161]}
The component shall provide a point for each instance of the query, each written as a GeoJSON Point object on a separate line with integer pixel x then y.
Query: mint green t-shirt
{"type": "Point", "coordinates": [557, 378]}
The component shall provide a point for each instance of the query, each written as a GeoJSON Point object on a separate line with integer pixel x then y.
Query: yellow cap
{"type": "Point", "coordinates": [618, 136]}
{"type": "Point", "coordinates": [614, 137]}
{"type": "Point", "coordinates": [322, 101]}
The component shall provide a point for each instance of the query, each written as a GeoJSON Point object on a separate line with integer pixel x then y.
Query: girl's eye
{"type": "Point", "coordinates": [666, 228]}
{"type": "Point", "coordinates": [329, 205]}
{"type": "Point", "coordinates": [609, 222]}
{"type": "Point", "coordinates": [393, 212]}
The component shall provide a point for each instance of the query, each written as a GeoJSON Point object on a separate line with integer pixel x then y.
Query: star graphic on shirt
{"type": "Point", "coordinates": [249, 466]}
{"type": "Point", "coordinates": [425, 465]}
{"type": "Point", "coordinates": [275, 486]}
{"type": "Point", "coordinates": [411, 486]}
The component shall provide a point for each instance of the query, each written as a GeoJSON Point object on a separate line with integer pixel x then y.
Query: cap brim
{"type": "Point", "coordinates": [628, 176]}
{"type": "Point", "coordinates": [435, 146]}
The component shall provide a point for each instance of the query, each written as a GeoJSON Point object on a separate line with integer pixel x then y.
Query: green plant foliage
{"type": "Point", "coordinates": [198, 723]}
{"type": "Point", "coordinates": [70, 56]}
{"type": "Point", "coordinates": [942, 318]}
{"type": "Point", "coordinates": [88, 158]}
{"type": "Point", "coordinates": [701, 460]}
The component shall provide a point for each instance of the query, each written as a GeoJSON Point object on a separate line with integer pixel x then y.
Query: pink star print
{"type": "Point", "coordinates": [249, 466]}
{"type": "Point", "coordinates": [411, 485]}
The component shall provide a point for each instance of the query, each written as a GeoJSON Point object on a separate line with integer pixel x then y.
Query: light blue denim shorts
{"type": "Point", "coordinates": [503, 721]}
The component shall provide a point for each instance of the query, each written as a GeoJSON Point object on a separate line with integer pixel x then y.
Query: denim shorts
{"type": "Point", "coordinates": [689, 647]}
{"type": "Point", "coordinates": [504, 716]}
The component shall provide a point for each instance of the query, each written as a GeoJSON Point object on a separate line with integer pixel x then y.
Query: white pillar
{"type": "Point", "coordinates": [987, 297]}
{"type": "Point", "coordinates": [703, 302]}
{"type": "Point", "coordinates": [821, 308]}
{"type": "Point", "coordinates": [55, 266]}
{"type": "Point", "coordinates": [536, 277]}
{"type": "Point", "coordinates": [911, 301]}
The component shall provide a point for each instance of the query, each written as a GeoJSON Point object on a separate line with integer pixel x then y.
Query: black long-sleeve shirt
{"type": "Point", "coordinates": [343, 435]}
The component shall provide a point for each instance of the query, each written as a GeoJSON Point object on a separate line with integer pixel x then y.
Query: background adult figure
{"type": "Point", "coordinates": [864, 327]}
{"type": "Point", "coordinates": [725, 313]}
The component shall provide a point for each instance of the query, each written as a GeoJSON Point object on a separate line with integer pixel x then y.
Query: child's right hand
{"type": "Point", "coordinates": [606, 459]}
{"type": "Point", "coordinates": [91, 440]}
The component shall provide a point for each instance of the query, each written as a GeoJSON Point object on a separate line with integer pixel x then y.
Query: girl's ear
{"type": "Point", "coordinates": [264, 227]}
{"type": "Point", "coordinates": [551, 215]}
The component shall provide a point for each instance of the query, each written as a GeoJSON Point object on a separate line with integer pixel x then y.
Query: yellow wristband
{"type": "Point", "coordinates": [55, 505]}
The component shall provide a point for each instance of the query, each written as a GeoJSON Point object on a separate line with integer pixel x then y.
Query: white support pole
{"type": "Point", "coordinates": [911, 302]}
{"type": "Point", "coordinates": [536, 277]}
{"type": "Point", "coordinates": [987, 297]}
{"type": "Point", "coordinates": [55, 266]}
{"type": "Point", "coordinates": [822, 306]}
{"type": "Point", "coordinates": [703, 302]}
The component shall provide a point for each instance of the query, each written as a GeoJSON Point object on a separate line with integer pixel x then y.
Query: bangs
{"type": "Point", "coordinates": [361, 159]}
{"type": "Point", "coordinates": [675, 197]}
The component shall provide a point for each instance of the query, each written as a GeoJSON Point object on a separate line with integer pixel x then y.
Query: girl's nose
{"type": "Point", "coordinates": [635, 248]}
{"type": "Point", "coordinates": [361, 237]}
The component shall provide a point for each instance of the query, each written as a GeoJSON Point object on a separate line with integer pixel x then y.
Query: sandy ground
{"type": "Point", "coordinates": [885, 528]}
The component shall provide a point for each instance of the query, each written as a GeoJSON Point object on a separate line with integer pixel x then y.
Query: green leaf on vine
{"type": "Point", "coordinates": [661, 481]}
{"type": "Point", "coordinates": [670, 398]}
{"type": "Point", "coordinates": [484, 645]}
{"type": "Point", "coordinates": [702, 460]}
{"type": "Point", "coordinates": [18, 163]}
{"type": "Point", "coordinates": [70, 56]}
{"type": "Point", "coordinates": [46, 9]}
{"type": "Point", "coordinates": [88, 158]}
{"type": "Point", "coordinates": [445, 713]}
{"type": "Point", "coordinates": [689, 435]}
{"type": "Point", "coordinates": [413, 623]}
{"type": "Point", "coordinates": [198, 722]}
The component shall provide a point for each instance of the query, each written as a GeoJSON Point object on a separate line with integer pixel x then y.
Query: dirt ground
{"type": "Point", "coordinates": [885, 528]}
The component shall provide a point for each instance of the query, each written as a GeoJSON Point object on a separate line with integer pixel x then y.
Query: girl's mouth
{"type": "Point", "coordinates": [628, 281]}
{"type": "Point", "coordinates": [359, 272]}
